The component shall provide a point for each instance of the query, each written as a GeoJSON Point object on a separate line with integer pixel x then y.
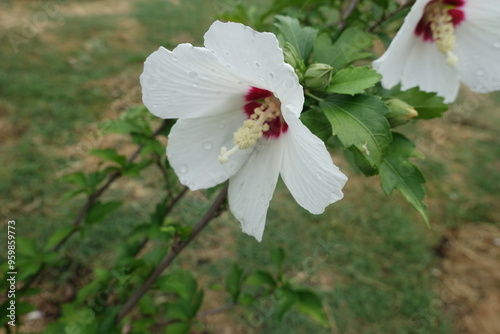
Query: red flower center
{"type": "Point", "coordinates": [436, 8]}
{"type": "Point", "coordinates": [261, 98]}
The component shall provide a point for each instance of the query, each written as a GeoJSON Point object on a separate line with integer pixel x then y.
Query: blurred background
{"type": "Point", "coordinates": [68, 67]}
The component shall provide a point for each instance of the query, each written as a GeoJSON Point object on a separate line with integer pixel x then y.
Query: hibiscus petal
{"type": "Point", "coordinates": [478, 46]}
{"type": "Point", "coordinates": [189, 82]}
{"type": "Point", "coordinates": [426, 67]}
{"type": "Point", "coordinates": [251, 189]}
{"type": "Point", "coordinates": [308, 170]}
{"type": "Point", "coordinates": [392, 63]}
{"type": "Point", "coordinates": [194, 146]}
{"type": "Point", "coordinates": [256, 59]}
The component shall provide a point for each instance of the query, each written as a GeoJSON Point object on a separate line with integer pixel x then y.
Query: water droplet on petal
{"type": "Point", "coordinates": [193, 74]}
{"type": "Point", "coordinates": [257, 64]}
{"type": "Point", "coordinates": [228, 66]}
{"type": "Point", "coordinates": [195, 85]}
{"type": "Point", "coordinates": [496, 45]}
{"type": "Point", "coordinates": [480, 72]}
{"type": "Point", "coordinates": [155, 105]}
{"type": "Point", "coordinates": [271, 75]}
{"type": "Point", "coordinates": [207, 146]}
{"type": "Point", "coordinates": [184, 169]}
{"type": "Point", "coordinates": [227, 53]}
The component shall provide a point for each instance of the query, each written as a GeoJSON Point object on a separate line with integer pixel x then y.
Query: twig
{"type": "Point", "coordinates": [167, 211]}
{"type": "Point", "coordinates": [348, 11]}
{"type": "Point", "coordinates": [175, 250]}
{"type": "Point", "coordinates": [408, 4]}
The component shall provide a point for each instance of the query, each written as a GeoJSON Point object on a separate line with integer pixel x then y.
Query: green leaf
{"type": "Point", "coordinates": [196, 303]}
{"type": "Point", "coordinates": [123, 127]}
{"type": "Point", "coordinates": [146, 305]}
{"type": "Point", "coordinates": [26, 247]}
{"type": "Point", "coordinates": [109, 154]}
{"type": "Point", "coordinates": [428, 105]}
{"type": "Point", "coordinates": [178, 328]}
{"type": "Point", "coordinates": [72, 193]}
{"type": "Point", "coordinates": [234, 281]}
{"type": "Point", "coordinates": [180, 309]}
{"type": "Point", "coordinates": [181, 283]}
{"type": "Point", "coordinates": [277, 255]}
{"type": "Point", "coordinates": [261, 277]}
{"type": "Point", "coordinates": [310, 304]}
{"type": "Point", "coordinates": [95, 178]}
{"type": "Point", "coordinates": [317, 123]}
{"type": "Point", "coordinates": [153, 146]}
{"type": "Point", "coordinates": [359, 120]}
{"type": "Point", "coordinates": [346, 49]}
{"type": "Point", "coordinates": [57, 236]}
{"type": "Point", "coordinates": [100, 210]}
{"type": "Point", "coordinates": [397, 172]}
{"type": "Point", "coordinates": [356, 158]}
{"type": "Point", "coordinates": [353, 80]}
{"type": "Point", "coordinates": [77, 178]}
{"type": "Point", "coordinates": [301, 38]}
{"type": "Point", "coordinates": [285, 300]}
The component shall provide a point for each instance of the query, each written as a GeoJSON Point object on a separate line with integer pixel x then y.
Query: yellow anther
{"type": "Point", "coordinates": [253, 128]}
{"type": "Point", "coordinates": [443, 33]}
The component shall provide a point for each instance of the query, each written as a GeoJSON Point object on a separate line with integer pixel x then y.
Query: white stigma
{"type": "Point", "coordinates": [253, 128]}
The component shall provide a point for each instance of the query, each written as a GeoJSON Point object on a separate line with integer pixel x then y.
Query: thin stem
{"type": "Point", "coordinates": [386, 17]}
{"type": "Point", "coordinates": [319, 99]}
{"type": "Point", "coordinates": [175, 250]}
{"type": "Point", "coordinates": [172, 204]}
{"type": "Point", "coordinates": [348, 11]}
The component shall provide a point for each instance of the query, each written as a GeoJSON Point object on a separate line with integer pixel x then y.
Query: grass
{"type": "Point", "coordinates": [369, 256]}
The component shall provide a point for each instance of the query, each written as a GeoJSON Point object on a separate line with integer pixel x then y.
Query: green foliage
{"type": "Point", "coordinates": [100, 210]}
{"type": "Point", "coordinates": [359, 121]}
{"type": "Point", "coordinates": [353, 80]}
{"type": "Point", "coordinates": [317, 122]}
{"type": "Point", "coordinates": [346, 49]}
{"type": "Point", "coordinates": [428, 105]}
{"type": "Point", "coordinates": [310, 304]}
{"type": "Point", "coordinates": [301, 38]}
{"type": "Point", "coordinates": [234, 281]}
{"type": "Point", "coordinates": [397, 172]}
{"type": "Point", "coordinates": [110, 155]}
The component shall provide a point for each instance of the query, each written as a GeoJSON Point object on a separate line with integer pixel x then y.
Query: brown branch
{"type": "Point", "coordinates": [175, 250]}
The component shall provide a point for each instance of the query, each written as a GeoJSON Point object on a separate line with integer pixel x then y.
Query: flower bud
{"type": "Point", "coordinates": [318, 76]}
{"type": "Point", "coordinates": [400, 112]}
{"type": "Point", "coordinates": [292, 57]}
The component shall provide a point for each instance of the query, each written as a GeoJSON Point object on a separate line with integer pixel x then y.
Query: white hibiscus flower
{"type": "Point", "coordinates": [443, 42]}
{"type": "Point", "coordinates": [238, 105]}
